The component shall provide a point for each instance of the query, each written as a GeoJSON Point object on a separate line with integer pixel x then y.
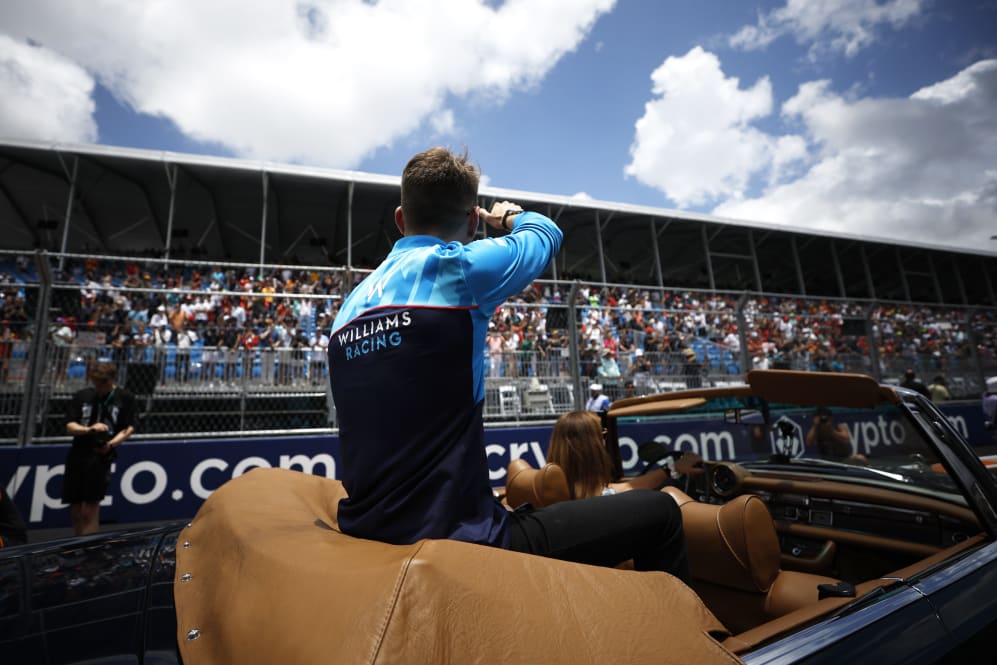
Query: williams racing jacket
{"type": "Point", "coordinates": [406, 362]}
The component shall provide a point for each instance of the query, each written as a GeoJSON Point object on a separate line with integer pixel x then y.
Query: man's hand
{"type": "Point", "coordinates": [499, 208]}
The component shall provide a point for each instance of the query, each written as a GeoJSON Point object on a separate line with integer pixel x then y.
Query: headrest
{"type": "Point", "coordinates": [537, 487]}
{"type": "Point", "coordinates": [736, 543]}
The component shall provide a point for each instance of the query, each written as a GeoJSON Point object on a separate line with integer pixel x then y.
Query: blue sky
{"type": "Point", "coordinates": [870, 117]}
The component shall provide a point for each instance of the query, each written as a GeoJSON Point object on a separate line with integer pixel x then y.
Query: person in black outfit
{"type": "Point", "coordinates": [911, 381]}
{"type": "Point", "coordinates": [12, 529]}
{"type": "Point", "coordinates": [99, 419]}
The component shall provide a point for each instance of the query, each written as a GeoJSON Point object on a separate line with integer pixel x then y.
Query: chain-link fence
{"type": "Point", "coordinates": [226, 349]}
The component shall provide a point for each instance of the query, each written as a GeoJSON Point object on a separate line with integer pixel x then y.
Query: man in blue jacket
{"type": "Point", "coordinates": [406, 359]}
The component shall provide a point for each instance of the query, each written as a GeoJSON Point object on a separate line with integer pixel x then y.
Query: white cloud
{"type": "Point", "coordinates": [45, 96]}
{"type": "Point", "coordinates": [844, 26]}
{"type": "Point", "coordinates": [322, 81]}
{"type": "Point", "coordinates": [921, 168]}
{"type": "Point", "coordinates": [695, 141]}
{"type": "Point", "coordinates": [442, 122]}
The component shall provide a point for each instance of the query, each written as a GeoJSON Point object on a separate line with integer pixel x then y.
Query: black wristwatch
{"type": "Point", "coordinates": [506, 215]}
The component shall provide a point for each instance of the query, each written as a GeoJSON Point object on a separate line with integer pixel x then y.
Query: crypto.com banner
{"type": "Point", "coordinates": [155, 481]}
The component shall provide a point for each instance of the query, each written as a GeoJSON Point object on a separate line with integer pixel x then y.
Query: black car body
{"type": "Point", "coordinates": [909, 531]}
{"type": "Point", "coordinates": [106, 598]}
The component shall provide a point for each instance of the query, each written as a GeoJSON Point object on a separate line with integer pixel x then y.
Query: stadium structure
{"type": "Point", "coordinates": [72, 214]}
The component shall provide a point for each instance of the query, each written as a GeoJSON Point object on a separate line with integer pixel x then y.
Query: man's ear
{"type": "Point", "coordinates": [472, 223]}
{"type": "Point", "coordinates": [400, 220]}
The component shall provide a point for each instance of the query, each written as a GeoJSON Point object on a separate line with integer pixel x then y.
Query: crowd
{"type": "Point", "coordinates": [622, 331]}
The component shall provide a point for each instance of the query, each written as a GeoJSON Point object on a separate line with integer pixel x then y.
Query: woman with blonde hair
{"type": "Point", "coordinates": [577, 446]}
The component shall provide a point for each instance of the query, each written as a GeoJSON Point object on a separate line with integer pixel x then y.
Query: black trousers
{"type": "Point", "coordinates": [643, 525]}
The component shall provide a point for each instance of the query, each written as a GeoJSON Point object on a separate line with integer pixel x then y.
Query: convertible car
{"type": "Point", "coordinates": [835, 520]}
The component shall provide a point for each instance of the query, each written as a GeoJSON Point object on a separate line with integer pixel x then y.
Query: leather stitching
{"type": "Point", "coordinates": [395, 593]}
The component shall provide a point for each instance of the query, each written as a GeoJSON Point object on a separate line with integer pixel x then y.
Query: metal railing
{"type": "Point", "coordinates": [254, 359]}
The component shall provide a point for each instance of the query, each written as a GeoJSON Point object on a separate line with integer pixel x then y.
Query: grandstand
{"type": "Point", "coordinates": [253, 258]}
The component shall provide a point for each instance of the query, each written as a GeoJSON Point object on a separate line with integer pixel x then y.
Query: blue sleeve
{"type": "Point", "coordinates": [496, 268]}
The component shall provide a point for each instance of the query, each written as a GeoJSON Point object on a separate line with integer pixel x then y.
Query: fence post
{"type": "Point", "coordinates": [36, 366]}
{"type": "Point", "coordinates": [575, 357]}
{"type": "Point", "coordinates": [742, 332]}
{"type": "Point", "coordinates": [877, 372]}
{"type": "Point", "coordinates": [974, 353]}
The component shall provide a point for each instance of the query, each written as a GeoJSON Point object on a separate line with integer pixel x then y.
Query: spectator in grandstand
{"type": "Point", "coordinates": [590, 359]}
{"type": "Point", "coordinates": [692, 369]}
{"type": "Point", "coordinates": [211, 355]}
{"type": "Point", "coordinates": [270, 339]}
{"type": "Point", "coordinates": [248, 343]}
{"type": "Point", "coordinates": [159, 318]}
{"type": "Point", "coordinates": [422, 472]}
{"type": "Point", "coordinates": [293, 357]}
{"type": "Point", "coordinates": [319, 343]}
{"type": "Point", "coordinates": [161, 335]}
{"type": "Point", "coordinates": [229, 348]}
{"type": "Point", "coordinates": [63, 336]}
{"type": "Point", "coordinates": [528, 352]}
{"type": "Point", "coordinates": [608, 367]}
{"type": "Point", "coordinates": [939, 389]}
{"type": "Point", "coordinates": [12, 529]}
{"type": "Point", "coordinates": [629, 389]}
{"type": "Point", "coordinates": [578, 447]}
{"type": "Point", "coordinates": [495, 343]}
{"type": "Point", "coordinates": [913, 383]}
{"type": "Point", "coordinates": [186, 338]}
{"type": "Point", "coordinates": [99, 419]}
{"type": "Point", "coordinates": [642, 370]}
{"type": "Point", "coordinates": [597, 400]}
{"type": "Point", "coordinates": [140, 341]}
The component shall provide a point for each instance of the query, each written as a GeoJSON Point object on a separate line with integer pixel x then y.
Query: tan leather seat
{"type": "Point", "coordinates": [734, 560]}
{"type": "Point", "coordinates": [537, 487]}
{"type": "Point", "coordinates": [264, 576]}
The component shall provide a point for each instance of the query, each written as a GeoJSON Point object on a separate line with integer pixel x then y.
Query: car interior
{"type": "Point", "coordinates": [774, 547]}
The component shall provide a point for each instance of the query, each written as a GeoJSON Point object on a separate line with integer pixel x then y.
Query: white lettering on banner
{"type": "Point", "coordinates": [538, 453]}
{"type": "Point", "coordinates": [495, 449]}
{"type": "Point", "coordinates": [709, 445]}
{"type": "Point", "coordinates": [958, 423]}
{"type": "Point", "coordinates": [869, 434]}
{"type": "Point", "coordinates": [249, 463]}
{"type": "Point", "coordinates": [514, 451]}
{"type": "Point", "coordinates": [17, 480]}
{"type": "Point", "coordinates": [196, 485]}
{"type": "Point", "coordinates": [628, 452]}
{"type": "Point", "coordinates": [128, 483]}
{"type": "Point", "coordinates": [40, 500]}
{"type": "Point", "coordinates": [108, 500]}
{"type": "Point", "coordinates": [308, 464]}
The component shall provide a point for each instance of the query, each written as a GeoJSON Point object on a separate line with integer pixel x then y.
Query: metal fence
{"type": "Point", "coordinates": [226, 349]}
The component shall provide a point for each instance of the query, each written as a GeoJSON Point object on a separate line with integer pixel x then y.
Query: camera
{"type": "Point", "coordinates": [98, 439]}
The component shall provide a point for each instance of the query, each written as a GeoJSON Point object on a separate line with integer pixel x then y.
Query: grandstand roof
{"type": "Point", "coordinates": [203, 208]}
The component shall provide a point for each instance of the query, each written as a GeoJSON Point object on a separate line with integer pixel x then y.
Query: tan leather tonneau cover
{"type": "Point", "coordinates": [267, 578]}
